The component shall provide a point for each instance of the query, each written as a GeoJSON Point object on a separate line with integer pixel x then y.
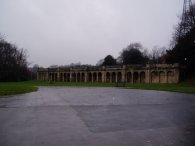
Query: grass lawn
{"type": "Point", "coordinates": [30, 86]}
{"type": "Point", "coordinates": [16, 88]}
{"type": "Point", "coordinates": [181, 87]}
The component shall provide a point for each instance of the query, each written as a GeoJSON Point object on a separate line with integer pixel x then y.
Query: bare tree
{"type": "Point", "coordinates": [13, 63]}
{"type": "Point", "coordinates": [157, 54]}
{"type": "Point", "coordinates": [183, 48]}
{"type": "Point", "coordinates": [186, 23]}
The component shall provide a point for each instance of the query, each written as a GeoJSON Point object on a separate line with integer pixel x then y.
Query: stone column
{"type": "Point", "coordinates": [139, 78]}
{"type": "Point", "coordinates": [123, 76]}
{"type": "Point", "coordinates": [166, 77]}
{"type": "Point", "coordinates": [103, 77]}
{"type": "Point", "coordinates": [116, 77]}
{"type": "Point", "coordinates": [177, 75]}
{"type": "Point", "coordinates": [76, 77]}
{"type": "Point", "coordinates": [92, 77]}
{"type": "Point", "coordinates": [85, 77]}
{"type": "Point", "coordinates": [123, 73]}
{"type": "Point", "coordinates": [147, 76]}
{"type": "Point", "coordinates": [37, 75]}
{"type": "Point", "coordinates": [110, 77]}
{"type": "Point", "coordinates": [97, 77]}
{"type": "Point", "coordinates": [70, 76]}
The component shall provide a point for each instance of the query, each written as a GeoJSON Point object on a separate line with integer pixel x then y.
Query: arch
{"type": "Point", "coordinates": [142, 77]}
{"type": "Point", "coordinates": [83, 77]}
{"type": "Point", "coordinates": [170, 77]}
{"type": "Point", "coordinates": [113, 77]}
{"type": "Point", "coordinates": [135, 77]}
{"type": "Point", "coordinates": [119, 77]}
{"type": "Point", "coordinates": [61, 77]}
{"type": "Point", "coordinates": [99, 77]}
{"type": "Point", "coordinates": [50, 77]}
{"type": "Point", "coordinates": [154, 77]}
{"type": "Point", "coordinates": [78, 77]}
{"type": "Point", "coordinates": [73, 77]}
{"type": "Point", "coordinates": [94, 77]}
{"type": "Point", "coordinates": [182, 75]}
{"type": "Point", "coordinates": [107, 77]}
{"type": "Point", "coordinates": [42, 76]}
{"type": "Point", "coordinates": [54, 77]}
{"type": "Point", "coordinates": [162, 77]}
{"type": "Point", "coordinates": [65, 77]}
{"type": "Point", "coordinates": [68, 77]}
{"type": "Point", "coordinates": [46, 76]}
{"type": "Point", "coordinates": [39, 76]}
{"type": "Point", "coordinates": [129, 77]}
{"type": "Point", "coordinates": [89, 77]}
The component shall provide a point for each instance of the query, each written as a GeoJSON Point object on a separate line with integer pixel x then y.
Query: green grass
{"type": "Point", "coordinates": [30, 86]}
{"type": "Point", "coordinates": [181, 87]}
{"type": "Point", "coordinates": [16, 88]}
{"type": "Point", "coordinates": [12, 88]}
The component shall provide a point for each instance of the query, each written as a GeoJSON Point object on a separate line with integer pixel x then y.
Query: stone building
{"type": "Point", "coordinates": [155, 73]}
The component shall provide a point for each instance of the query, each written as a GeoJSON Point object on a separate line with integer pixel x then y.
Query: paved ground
{"type": "Point", "coordinates": [57, 116]}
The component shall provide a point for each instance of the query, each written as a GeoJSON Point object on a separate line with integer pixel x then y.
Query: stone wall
{"type": "Point", "coordinates": [157, 73]}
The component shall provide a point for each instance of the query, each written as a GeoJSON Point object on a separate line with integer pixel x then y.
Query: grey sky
{"type": "Point", "coordinates": [65, 31]}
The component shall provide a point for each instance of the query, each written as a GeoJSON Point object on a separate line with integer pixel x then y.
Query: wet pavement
{"type": "Point", "coordinates": [68, 116]}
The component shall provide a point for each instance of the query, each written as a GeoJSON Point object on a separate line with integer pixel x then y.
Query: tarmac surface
{"type": "Point", "coordinates": [71, 116]}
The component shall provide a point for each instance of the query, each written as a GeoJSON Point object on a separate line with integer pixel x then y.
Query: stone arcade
{"type": "Point", "coordinates": [155, 73]}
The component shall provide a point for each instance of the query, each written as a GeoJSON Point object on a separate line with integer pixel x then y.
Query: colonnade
{"type": "Point", "coordinates": [163, 77]}
{"type": "Point", "coordinates": [129, 76]}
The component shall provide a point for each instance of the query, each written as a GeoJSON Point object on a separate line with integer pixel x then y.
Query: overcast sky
{"type": "Point", "coordinates": [70, 31]}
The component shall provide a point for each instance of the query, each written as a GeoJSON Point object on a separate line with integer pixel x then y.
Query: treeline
{"type": "Point", "coordinates": [182, 48]}
{"type": "Point", "coordinates": [135, 54]}
{"type": "Point", "coordinates": [13, 63]}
